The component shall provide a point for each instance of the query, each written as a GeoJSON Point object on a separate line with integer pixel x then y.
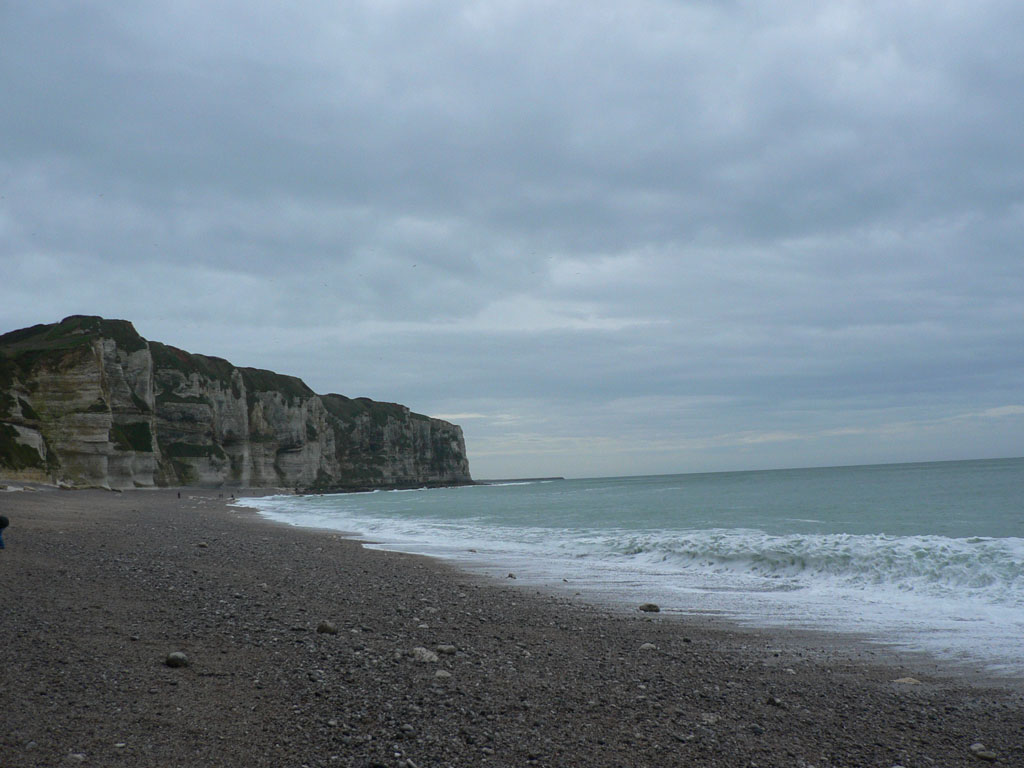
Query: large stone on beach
{"type": "Point", "coordinates": [983, 753]}
{"type": "Point", "coordinates": [424, 656]}
{"type": "Point", "coordinates": [649, 607]}
{"type": "Point", "coordinates": [176, 659]}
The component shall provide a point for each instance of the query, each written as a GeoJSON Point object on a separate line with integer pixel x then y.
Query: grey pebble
{"type": "Point", "coordinates": [176, 659]}
{"type": "Point", "coordinates": [423, 655]}
{"type": "Point", "coordinates": [983, 753]}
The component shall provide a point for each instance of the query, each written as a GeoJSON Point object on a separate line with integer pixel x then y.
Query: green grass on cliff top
{"type": "Point", "coordinates": [73, 331]}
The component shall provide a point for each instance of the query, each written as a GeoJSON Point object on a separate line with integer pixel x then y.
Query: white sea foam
{"type": "Point", "coordinates": [957, 597]}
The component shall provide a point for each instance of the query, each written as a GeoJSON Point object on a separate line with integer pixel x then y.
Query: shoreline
{"type": "Point", "coordinates": [971, 650]}
{"type": "Point", "coordinates": [97, 588]}
{"type": "Point", "coordinates": [831, 645]}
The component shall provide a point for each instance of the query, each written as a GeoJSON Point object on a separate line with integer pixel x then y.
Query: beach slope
{"type": "Point", "coordinates": [304, 648]}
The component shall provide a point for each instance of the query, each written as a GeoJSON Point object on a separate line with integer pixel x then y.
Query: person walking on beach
{"type": "Point", "coordinates": [4, 522]}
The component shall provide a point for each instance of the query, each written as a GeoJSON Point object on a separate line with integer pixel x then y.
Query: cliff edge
{"type": "Point", "coordinates": [89, 402]}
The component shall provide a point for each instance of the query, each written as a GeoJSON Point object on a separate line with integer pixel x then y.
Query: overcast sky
{"type": "Point", "coordinates": [604, 237]}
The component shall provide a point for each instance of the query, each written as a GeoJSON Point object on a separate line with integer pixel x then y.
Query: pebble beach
{"type": "Point", "coordinates": [147, 629]}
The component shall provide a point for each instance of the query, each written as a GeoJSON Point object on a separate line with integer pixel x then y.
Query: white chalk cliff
{"type": "Point", "coordinates": [89, 402]}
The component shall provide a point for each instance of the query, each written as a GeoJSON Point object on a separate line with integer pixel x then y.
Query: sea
{"type": "Point", "coordinates": [924, 557]}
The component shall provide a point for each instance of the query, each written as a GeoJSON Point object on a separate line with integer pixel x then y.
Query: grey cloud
{"type": "Point", "coordinates": [801, 214]}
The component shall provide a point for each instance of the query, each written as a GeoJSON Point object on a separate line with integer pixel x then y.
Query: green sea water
{"type": "Point", "coordinates": [927, 556]}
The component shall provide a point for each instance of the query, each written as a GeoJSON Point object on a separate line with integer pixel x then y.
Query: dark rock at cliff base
{"type": "Point", "coordinates": [88, 402]}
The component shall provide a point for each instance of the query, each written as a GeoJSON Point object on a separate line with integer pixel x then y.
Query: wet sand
{"type": "Point", "coordinates": [304, 648]}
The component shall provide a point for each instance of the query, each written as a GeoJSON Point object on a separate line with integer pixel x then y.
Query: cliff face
{"type": "Point", "coordinates": [89, 402]}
